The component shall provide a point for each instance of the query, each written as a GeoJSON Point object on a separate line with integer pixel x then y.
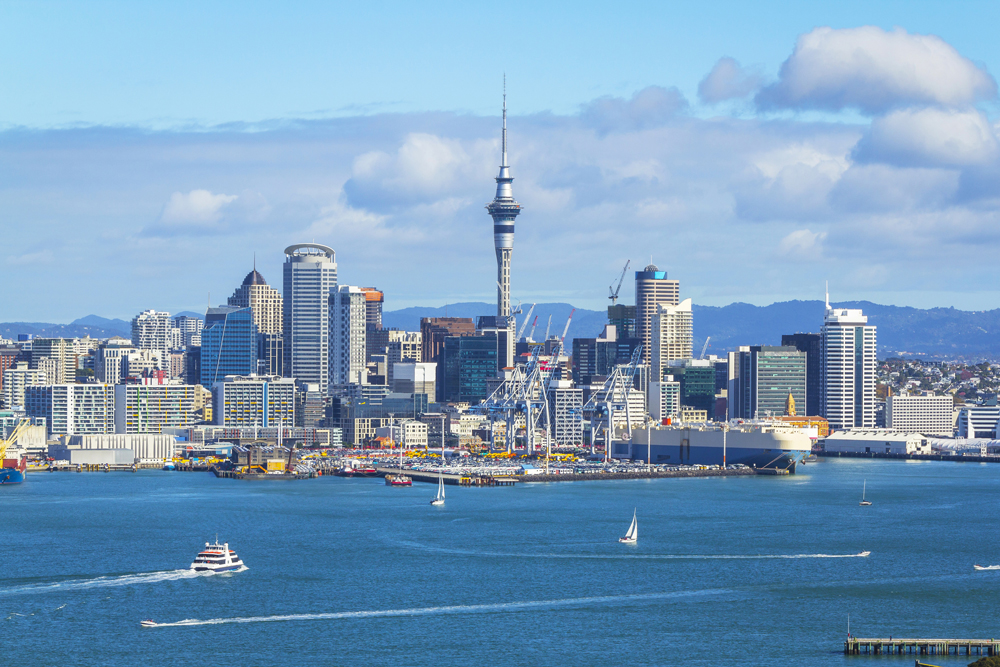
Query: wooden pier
{"type": "Point", "coordinates": [903, 646]}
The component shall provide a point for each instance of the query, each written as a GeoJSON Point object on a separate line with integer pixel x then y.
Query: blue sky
{"type": "Point", "coordinates": [148, 150]}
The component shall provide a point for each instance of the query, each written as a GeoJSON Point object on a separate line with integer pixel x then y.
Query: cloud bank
{"type": "Point", "coordinates": [752, 208]}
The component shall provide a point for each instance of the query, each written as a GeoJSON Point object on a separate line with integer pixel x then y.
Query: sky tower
{"type": "Point", "coordinates": [503, 209]}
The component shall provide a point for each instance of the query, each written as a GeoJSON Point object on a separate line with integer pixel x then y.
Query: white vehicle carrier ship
{"type": "Point", "coordinates": [754, 444]}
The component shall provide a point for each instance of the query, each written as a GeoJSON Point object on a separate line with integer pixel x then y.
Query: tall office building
{"type": "Point", "coordinates": [810, 344]}
{"type": "Point", "coordinates": [764, 377]}
{"type": "Point", "coordinates": [671, 335]}
{"type": "Point", "coordinates": [228, 344]}
{"type": "Point", "coordinates": [373, 308]}
{"type": "Point", "coordinates": [15, 380]}
{"type": "Point", "coordinates": [434, 331]}
{"type": "Point", "coordinates": [848, 369]}
{"type": "Point", "coordinates": [503, 209]}
{"type": "Point", "coordinates": [310, 275]}
{"type": "Point", "coordinates": [263, 301]}
{"type": "Point", "coordinates": [151, 331]}
{"type": "Point", "coordinates": [347, 336]}
{"type": "Point", "coordinates": [265, 401]}
{"type": "Point", "coordinates": [109, 362]}
{"type": "Point", "coordinates": [190, 329]}
{"type": "Point", "coordinates": [652, 290]}
{"type": "Point", "coordinates": [56, 357]}
{"type": "Point", "coordinates": [469, 363]}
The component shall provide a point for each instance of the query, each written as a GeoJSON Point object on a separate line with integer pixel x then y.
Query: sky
{"type": "Point", "coordinates": [151, 152]}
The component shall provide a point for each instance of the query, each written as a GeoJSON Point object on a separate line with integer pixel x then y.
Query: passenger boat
{"type": "Point", "coordinates": [633, 532]}
{"type": "Point", "coordinates": [149, 623]}
{"type": "Point", "coordinates": [217, 558]}
{"type": "Point", "coordinates": [398, 480]}
{"type": "Point", "coordinates": [439, 498]}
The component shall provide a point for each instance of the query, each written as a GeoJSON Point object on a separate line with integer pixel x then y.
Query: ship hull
{"type": "Point", "coordinates": [756, 448]}
{"type": "Point", "coordinates": [11, 476]}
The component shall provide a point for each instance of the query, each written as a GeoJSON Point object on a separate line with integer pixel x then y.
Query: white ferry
{"type": "Point", "coordinates": [217, 558]}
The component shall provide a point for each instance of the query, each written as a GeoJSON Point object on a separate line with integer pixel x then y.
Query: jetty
{"type": "Point", "coordinates": [452, 479]}
{"type": "Point", "coordinates": [903, 646]}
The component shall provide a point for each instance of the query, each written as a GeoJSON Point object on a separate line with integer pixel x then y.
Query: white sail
{"type": "Point", "coordinates": [633, 531]}
{"type": "Point", "coordinates": [439, 498]}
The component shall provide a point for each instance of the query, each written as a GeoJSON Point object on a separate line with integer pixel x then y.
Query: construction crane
{"type": "Point", "coordinates": [534, 324]}
{"type": "Point", "coordinates": [613, 292]}
{"type": "Point", "coordinates": [525, 323]}
{"type": "Point", "coordinates": [704, 347]}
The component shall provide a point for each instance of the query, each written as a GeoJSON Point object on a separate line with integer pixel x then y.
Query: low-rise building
{"type": "Point", "coordinates": [141, 408]}
{"type": "Point", "coordinates": [876, 441]}
{"type": "Point", "coordinates": [145, 446]}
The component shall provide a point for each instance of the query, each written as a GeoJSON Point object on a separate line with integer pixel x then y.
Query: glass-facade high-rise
{"type": "Point", "coordinates": [764, 377]}
{"type": "Point", "coordinates": [228, 344]}
{"type": "Point", "coordinates": [469, 361]}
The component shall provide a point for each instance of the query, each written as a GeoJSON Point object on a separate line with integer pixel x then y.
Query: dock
{"type": "Point", "coordinates": [451, 479]}
{"type": "Point", "coordinates": [903, 646]}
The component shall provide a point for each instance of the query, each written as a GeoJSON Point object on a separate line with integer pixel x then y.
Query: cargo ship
{"type": "Point", "coordinates": [756, 445]}
{"type": "Point", "coordinates": [13, 463]}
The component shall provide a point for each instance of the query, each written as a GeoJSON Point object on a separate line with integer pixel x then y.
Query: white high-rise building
{"type": "Point", "coordinates": [664, 399]}
{"type": "Point", "coordinates": [847, 344]}
{"type": "Point", "coordinates": [109, 362]}
{"type": "Point", "coordinates": [348, 312]}
{"type": "Point", "coordinates": [255, 400]}
{"type": "Point", "coordinates": [189, 328]}
{"type": "Point", "coordinates": [15, 380]}
{"type": "Point", "coordinates": [152, 408]}
{"type": "Point", "coordinates": [310, 276]}
{"type": "Point", "coordinates": [929, 415]}
{"type": "Point", "coordinates": [652, 290]}
{"type": "Point", "coordinates": [151, 331]}
{"type": "Point", "coordinates": [73, 408]}
{"type": "Point", "coordinates": [672, 336]}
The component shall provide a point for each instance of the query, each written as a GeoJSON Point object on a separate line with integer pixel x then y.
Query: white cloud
{"type": "Point", "coordinates": [650, 107]}
{"type": "Point", "coordinates": [873, 70]}
{"type": "Point", "coordinates": [802, 244]}
{"type": "Point", "coordinates": [197, 206]}
{"type": "Point", "coordinates": [930, 137]}
{"type": "Point", "coordinates": [726, 81]}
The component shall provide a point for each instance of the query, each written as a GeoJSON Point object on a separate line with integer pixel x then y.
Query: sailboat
{"type": "Point", "coordinates": [633, 532]}
{"type": "Point", "coordinates": [439, 498]}
{"type": "Point", "coordinates": [864, 488]}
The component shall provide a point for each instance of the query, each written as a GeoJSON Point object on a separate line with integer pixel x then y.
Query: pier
{"type": "Point", "coordinates": [450, 478]}
{"type": "Point", "coordinates": [903, 646]}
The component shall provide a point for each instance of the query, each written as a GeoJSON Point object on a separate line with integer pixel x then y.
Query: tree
{"type": "Point", "coordinates": [991, 661]}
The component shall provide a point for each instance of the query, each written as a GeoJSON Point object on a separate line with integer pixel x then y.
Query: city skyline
{"type": "Point", "coordinates": [753, 175]}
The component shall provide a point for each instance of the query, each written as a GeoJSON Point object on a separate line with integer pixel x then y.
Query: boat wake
{"type": "Point", "coordinates": [499, 608]}
{"type": "Point", "coordinates": [110, 582]}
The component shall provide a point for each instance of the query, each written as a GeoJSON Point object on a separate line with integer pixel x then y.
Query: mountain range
{"type": "Point", "coordinates": [902, 330]}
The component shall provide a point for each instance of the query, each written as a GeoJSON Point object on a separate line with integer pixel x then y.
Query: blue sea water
{"type": "Point", "coordinates": [754, 570]}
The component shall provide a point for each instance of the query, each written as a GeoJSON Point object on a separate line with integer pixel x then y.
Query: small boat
{"type": "Point", "coordinates": [864, 554]}
{"type": "Point", "coordinates": [439, 498]}
{"type": "Point", "coordinates": [864, 488]}
{"type": "Point", "coordinates": [149, 623]}
{"type": "Point", "coordinates": [216, 558]}
{"type": "Point", "coordinates": [633, 532]}
{"type": "Point", "coordinates": [986, 567]}
{"type": "Point", "coordinates": [398, 480]}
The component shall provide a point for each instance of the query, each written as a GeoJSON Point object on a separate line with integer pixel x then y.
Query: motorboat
{"type": "Point", "coordinates": [633, 532]}
{"type": "Point", "coordinates": [217, 558]}
{"type": "Point", "coordinates": [439, 498]}
{"type": "Point", "coordinates": [864, 554]}
{"type": "Point", "coordinates": [149, 623]}
{"type": "Point", "coordinates": [986, 567]}
{"type": "Point", "coordinates": [398, 480]}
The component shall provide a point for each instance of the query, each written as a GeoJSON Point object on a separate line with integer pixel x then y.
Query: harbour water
{"type": "Point", "coordinates": [749, 570]}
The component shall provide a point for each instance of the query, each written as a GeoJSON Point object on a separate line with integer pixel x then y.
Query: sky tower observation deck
{"type": "Point", "coordinates": [503, 209]}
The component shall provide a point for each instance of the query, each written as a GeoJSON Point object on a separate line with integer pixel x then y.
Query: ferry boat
{"type": "Point", "coordinates": [757, 445]}
{"type": "Point", "coordinates": [217, 558]}
{"type": "Point", "coordinates": [398, 480]}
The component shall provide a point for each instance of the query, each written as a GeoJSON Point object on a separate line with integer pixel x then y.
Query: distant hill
{"type": "Point", "coordinates": [929, 333]}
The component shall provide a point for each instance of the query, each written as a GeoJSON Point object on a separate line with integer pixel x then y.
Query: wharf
{"type": "Point", "coordinates": [902, 646]}
{"type": "Point", "coordinates": [595, 476]}
{"type": "Point", "coordinates": [451, 478]}
{"type": "Point", "coordinates": [958, 458]}
{"type": "Point", "coordinates": [232, 474]}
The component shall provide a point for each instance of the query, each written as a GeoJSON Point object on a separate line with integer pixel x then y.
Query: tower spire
{"type": "Point", "coordinates": [503, 160]}
{"type": "Point", "coordinates": [504, 209]}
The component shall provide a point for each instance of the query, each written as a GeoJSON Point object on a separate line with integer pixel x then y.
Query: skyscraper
{"type": "Point", "coordinates": [263, 300]}
{"type": "Point", "coordinates": [810, 344]}
{"type": "Point", "coordinates": [672, 336]}
{"type": "Point", "coordinates": [848, 352]}
{"type": "Point", "coordinates": [374, 299]}
{"type": "Point", "coordinates": [764, 378]}
{"type": "Point", "coordinates": [503, 209]}
{"type": "Point", "coordinates": [228, 344]}
{"type": "Point", "coordinates": [310, 275]}
{"type": "Point", "coordinates": [652, 289]}
{"type": "Point", "coordinates": [347, 335]}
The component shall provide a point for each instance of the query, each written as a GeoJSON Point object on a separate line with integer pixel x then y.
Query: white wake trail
{"type": "Point", "coordinates": [138, 578]}
{"type": "Point", "coordinates": [504, 607]}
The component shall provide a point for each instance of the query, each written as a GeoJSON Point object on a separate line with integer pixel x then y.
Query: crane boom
{"type": "Point", "coordinates": [566, 329]}
{"type": "Point", "coordinates": [534, 324]}
{"type": "Point", "coordinates": [704, 347]}
{"type": "Point", "coordinates": [613, 293]}
{"type": "Point", "coordinates": [547, 327]}
{"type": "Point", "coordinates": [15, 434]}
{"type": "Point", "coordinates": [524, 324]}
